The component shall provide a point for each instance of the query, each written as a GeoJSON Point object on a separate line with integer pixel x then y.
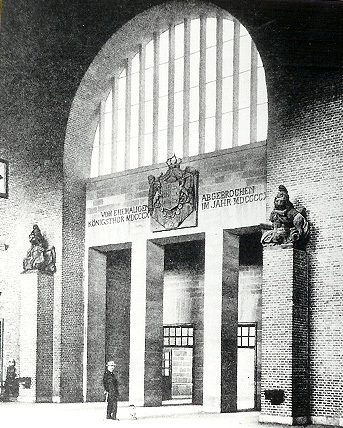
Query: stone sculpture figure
{"type": "Point", "coordinates": [39, 256]}
{"type": "Point", "coordinates": [289, 224]}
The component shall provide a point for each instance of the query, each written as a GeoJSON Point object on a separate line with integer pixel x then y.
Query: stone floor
{"type": "Point", "coordinates": [86, 415]}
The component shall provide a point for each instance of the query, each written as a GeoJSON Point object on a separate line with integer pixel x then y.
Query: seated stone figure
{"type": "Point", "coordinates": [289, 224]}
{"type": "Point", "coordinates": [39, 256]}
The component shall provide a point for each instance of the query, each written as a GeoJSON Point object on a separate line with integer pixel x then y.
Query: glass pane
{"type": "Point", "coordinates": [134, 121]}
{"type": "Point", "coordinates": [193, 138]}
{"type": "Point", "coordinates": [162, 148]}
{"type": "Point", "coordinates": [261, 87]}
{"type": "Point", "coordinates": [121, 92]}
{"type": "Point", "coordinates": [178, 331]}
{"type": "Point", "coordinates": [262, 122]}
{"type": "Point", "coordinates": [227, 130]}
{"type": "Point", "coordinates": [245, 341]}
{"type": "Point", "coordinates": [108, 103]}
{"type": "Point", "coordinates": [190, 341]}
{"type": "Point", "coordinates": [243, 31]}
{"type": "Point", "coordinates": [252, 331]}
{"type": "Point", "coordinates": [244, 52]}
{"type": "Point", "coordinates": [121, 124]}
{"type": "Point", "coordinates": [178, 108]}
{"type": "Point", "coordinates": [190, 331]}
{"type": "Point", "coordinates": [244, 90]}
{"type": "Point", "coordinates": [252, 341]}
{"type": "Point", "coordinates": [178, 341]}
{"type": "Point", "coordinates": [95, 162]}
{"type": "Point", "coordinates": [195, 35]}
{"type": "Point", "coordinates": [134, 152]}
{"type": "Point", "coordinates": [211, 64]}
{"type": "Point", "coordinates": [211, 28]}
{"type": "Point", "coordinates": [106, 167]}
{"type": "Point", "coordinates": [228, 29]}
{"type": "Point", "coordinates": [210, 134]}
{"type": "Point", "coordinates": [166, 372]}
{"type": "Point", "coordinates": [179, 75]}
{"type": "Point", "coordinates": [164, 47]}
{"type": "Point", "coordinates": [149, 84]}
{"type": "Point", "coordinates": [163, 113]}
{"type": "Point", "coordinates": [194, 69]}
{"type": "Point", "coordinates": [179, 40]}
{"type": "Point", "coordinates": [245, 331]}
{"type": "Point", "coordinates": [227, 94]}
{"type": "Point", "coordinates": [149, 117]}
{"type": "Point", "coordinates": [120, 155]}
{"type": "Point", "coordinates": [135, 64]}
{"type": "Point", "coordinates": [108, 128]}
{"type": "Point", "coordinates": [149, 55]}
{"type": "Point", "coordinates": [166, 341]}
{"type": "Point", "coordinates": [178, 141]}
{"type": "Point", "coordinates": [134, 89]}
{"type": "Point", "coordinates": [238, 341]}
{"type": "Point", "coordinates": [194, 104]}
{"type": "Point", "coordinates": [184, 341]}
{"type": "Point", "coordinates": [228, 58]}
{"type": "Point", "coordinates": [148, 149]}
{"type": "Point", "coordinates": [239, 331]}
{"type": "Point", "coordinates": [163, 82]}
{"type": "Point", "coordinates": [211, 99]}
{"type": "Point", "coordinates": [184, 331]}
{"type": "Point", "coordinates": [172, 341]}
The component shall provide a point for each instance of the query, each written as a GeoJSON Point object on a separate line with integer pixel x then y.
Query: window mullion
{"type": "Point", "coordinates": [235, 100]}
{"type": "Point", "coordinates": [101, 137]}
{"type": "Point", "coordinates": [141, 122]}
{"type": "Point", "coordinates": [202, 84]}
{"type": "Point", "coordinates": [186, 85]}
{"type": "Point", "coordinates": [219, 83]}
{"type": "Point", "coordinates": [171, 90]}
{"type": "Point", "coordinates": [253, 94]}
{"type": "Point", "coordinates": [115, 85]}
{"type": "Point", "coordinates": [128, 113]}
{"type": "Point", "coordinates": [155, 97]}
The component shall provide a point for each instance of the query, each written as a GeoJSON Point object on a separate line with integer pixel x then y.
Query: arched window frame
{"type": "Point", "coordinates": [108, 156]}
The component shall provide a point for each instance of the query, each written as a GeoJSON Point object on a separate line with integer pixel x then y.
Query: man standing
{"type": "Point", "coordinates": [111, 389]}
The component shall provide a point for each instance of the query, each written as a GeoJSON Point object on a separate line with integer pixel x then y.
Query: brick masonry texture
{"type": "Point", "coordinates": [46, 134]}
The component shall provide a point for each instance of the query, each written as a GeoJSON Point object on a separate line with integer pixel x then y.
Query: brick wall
{"type": "Point", "coordinates": [305, 154]}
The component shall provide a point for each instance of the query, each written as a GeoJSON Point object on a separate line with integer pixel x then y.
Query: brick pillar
{"type": "Point", "coordinates": [285, 372]}
{"type": "Point", "coordinates": [154, 325]}
{"type": "Point", "coordinates": [36, 336]}
{"type": "Point", "coordinates": [96, 324]}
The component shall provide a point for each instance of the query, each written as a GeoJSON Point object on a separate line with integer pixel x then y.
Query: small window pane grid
{"type": "Point", "coordinates": [178, 336]}
{"type": "Point", "coordinates": [166, 364]}
{"type": "Point", "coordinates": [207, 89]}
{"type": "Point", "coordinates": [246, 336]}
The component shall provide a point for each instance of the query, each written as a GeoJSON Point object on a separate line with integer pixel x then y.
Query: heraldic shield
{"type": "Point", "coordinates": [173, 197]}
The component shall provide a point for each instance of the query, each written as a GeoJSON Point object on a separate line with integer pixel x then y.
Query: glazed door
{"type": "Point", "coordinates": [167, 375]}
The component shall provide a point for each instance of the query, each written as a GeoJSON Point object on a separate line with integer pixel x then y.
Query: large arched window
{"type": "Point", "coordinates": [197, 87]}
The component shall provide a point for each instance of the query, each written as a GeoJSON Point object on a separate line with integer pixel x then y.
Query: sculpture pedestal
{"type": "Point", "coordinates": [36, 337]}
{"type": "Point", "coordinates": [285, 371]}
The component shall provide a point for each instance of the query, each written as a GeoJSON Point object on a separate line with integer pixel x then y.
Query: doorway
{"type": "Point", "coordinates": [246, 367]}
{"type": "Point", "coordinates": [177, 365]}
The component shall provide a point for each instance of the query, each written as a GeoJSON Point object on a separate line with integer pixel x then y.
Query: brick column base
{"type": "Point", "coordinates": [36, 337]}
{"type": "Point", "coordinates": [285, 372]}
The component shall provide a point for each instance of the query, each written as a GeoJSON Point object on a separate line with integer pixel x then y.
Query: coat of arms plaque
{"type": "Point", "coordinates": [173, 197]}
